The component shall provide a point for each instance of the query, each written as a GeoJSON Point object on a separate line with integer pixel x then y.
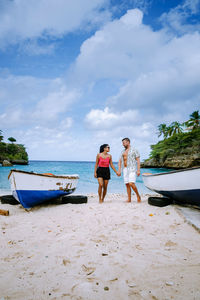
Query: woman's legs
{"type": "Point", "coordinates": [100, 181]}
{"type": "Point", "coordinates": [105, 184]}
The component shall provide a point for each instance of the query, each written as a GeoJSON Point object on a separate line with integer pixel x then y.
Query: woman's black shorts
{"type": "Point", "coordinates": [103, 172]}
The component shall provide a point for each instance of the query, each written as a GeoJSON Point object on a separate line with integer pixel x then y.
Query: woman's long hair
{"type": "Point", "coordinates": [102, 148]}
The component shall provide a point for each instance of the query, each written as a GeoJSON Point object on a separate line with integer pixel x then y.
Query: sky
{"type": "Point", "coordinates": [78, 74]}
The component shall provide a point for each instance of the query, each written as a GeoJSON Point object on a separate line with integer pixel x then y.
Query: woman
{"type": "Point", "coordinates": [102, 170]}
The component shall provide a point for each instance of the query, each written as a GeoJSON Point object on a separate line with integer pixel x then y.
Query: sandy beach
{"type": "Point", "coordinates": [115, 250]}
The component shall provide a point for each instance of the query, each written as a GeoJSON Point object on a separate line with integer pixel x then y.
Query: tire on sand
{"type": "Point", "coordinates": [8, 199]}
{"type": "Point", "coordinates": [75, 199]}
{"type": "Point", "coordinates": [159, 201]}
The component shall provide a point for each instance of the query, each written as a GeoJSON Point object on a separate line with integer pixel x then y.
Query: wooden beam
{"type": "Point", "coordinates": [4, 212]}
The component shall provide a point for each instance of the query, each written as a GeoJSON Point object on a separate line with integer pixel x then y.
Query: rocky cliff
{"type": "Point", "coordinates": [177, 152]}
{"type": "Point", "coordinates": [13, 153]}
{"type": "Point", "coordinates": [175, 162]}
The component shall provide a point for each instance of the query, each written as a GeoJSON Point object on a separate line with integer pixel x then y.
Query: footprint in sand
{"type": "Point", "coordinates": [136, 227]}
{"type": "Point", "coordinates": [88, 270]}
{"type": "Point", "coordinates": [170, 244]}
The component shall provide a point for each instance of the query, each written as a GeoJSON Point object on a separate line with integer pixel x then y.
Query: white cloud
{"type": "Point", "coordinates": [159, 72]}
{"type": "Point", "coordinates": [133, 18]}
{"type": "Point", "coordinates": [121, 50]}
{"type": "Point", "coordinates": [155, 75]}
{"type": "Point", "coordinates": [32, 47]}
{"type": "Point", "coordinates": [143, 5]}
{"type": "Point", "coordinates": [159, 75]}
{"type": "Point", "coordinates": [101, 119]}
{"type": "Point", "coordinates": [58, 102]}
{"type": "Point", "coordinates": [176, 19]}
{"type": "Point", "coordinates": [142, 135]}
{"type": "Point", "coordinates": [28, 100]}
{"type": "Point", "coordinates": [66, 123]}
{"type": "Point", "coordinates": [173, 81]}
{"type": "Point", "coordinates": [110, 127]}
{"type": "Point", "coordinates": [21, 19]}
{"type": "Point", "coordinates": [37, 112]}
{"type": "Point", "coordinates": [11, 118]}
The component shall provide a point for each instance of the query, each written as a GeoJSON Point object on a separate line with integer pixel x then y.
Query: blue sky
{"type": "Point", "coordinates": [77, 74]}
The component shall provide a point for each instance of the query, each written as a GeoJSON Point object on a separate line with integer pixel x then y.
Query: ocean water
{"type": "Point", "coordinates": [86, 184]}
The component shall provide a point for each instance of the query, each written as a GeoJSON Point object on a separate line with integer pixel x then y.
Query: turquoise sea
{"type": "Point", "coordinates": [87, 183]}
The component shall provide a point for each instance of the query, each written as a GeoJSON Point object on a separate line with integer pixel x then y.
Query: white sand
{"type": "Point", "coordinates": [110, 251]}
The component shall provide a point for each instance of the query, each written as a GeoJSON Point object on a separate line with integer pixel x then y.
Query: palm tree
{"type": "Point", "coordinates": [175, 128]}
{"type": "Point", "coordinates": [194, 121]}
{"type": "Point", "coordinates": [1, 136]}
{"type": "Point", "coordinates": [11, 139]}
{"type": "Point", "coordinates": [162, 129]}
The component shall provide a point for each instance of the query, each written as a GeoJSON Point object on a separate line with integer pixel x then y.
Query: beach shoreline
{"type": "Point", "coordinates": [114, 250]}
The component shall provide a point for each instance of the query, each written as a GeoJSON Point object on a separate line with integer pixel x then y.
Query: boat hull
{"type": "Point", "coordinates": [187, 197]}
{"type": "Point", "coordinates": [181, 185]}
{"type": "Point", "coordinates": [31, 189]}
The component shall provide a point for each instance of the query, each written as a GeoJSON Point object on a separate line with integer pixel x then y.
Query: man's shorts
{"type": "Point", "coordinates": [129, 176]}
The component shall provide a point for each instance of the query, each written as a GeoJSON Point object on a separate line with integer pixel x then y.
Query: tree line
{"type": "Point", "coordinates": [10, 151]}
{"type": "Point", "coordinates": [10, 139]}
{"type": "Point", "coordinates": [179, 139]}
{"type": "Point", "coordinates": [176, 127]}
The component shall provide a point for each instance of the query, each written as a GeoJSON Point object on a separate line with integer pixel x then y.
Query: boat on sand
{"type": "Point", "coordinates": [31, 188]}
{"type": "Point", "coordinates": [183, 186]}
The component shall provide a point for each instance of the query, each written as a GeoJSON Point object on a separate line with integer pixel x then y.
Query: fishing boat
{"type": "Point", "coordinates": [182, 186]}
{"type": "Point", "coordinates": [31, 188]}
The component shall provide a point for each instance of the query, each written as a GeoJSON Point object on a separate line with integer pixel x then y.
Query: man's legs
{"type": "Point", "coordinates": [131, 184]}
{"type": "Point", "coordinates": [128, 188]}
{"type": "Point", "coordinates": [126, 181]}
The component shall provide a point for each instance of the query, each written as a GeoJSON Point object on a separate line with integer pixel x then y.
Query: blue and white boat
{"type": "Point", "coordinates": [182, 186]}
{"type": "Point", "coordinates": [31, 188]}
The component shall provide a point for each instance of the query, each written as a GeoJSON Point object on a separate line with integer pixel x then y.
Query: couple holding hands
{"type": "Point", "coordinates": [129, 163]}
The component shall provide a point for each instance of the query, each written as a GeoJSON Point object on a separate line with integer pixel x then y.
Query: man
{"type": "Point", "coordinates": [129, 158]}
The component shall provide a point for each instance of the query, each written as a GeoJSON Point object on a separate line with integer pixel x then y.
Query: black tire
{"type": "Point", "coordinates": [75, 199]}
{"type": "Point", "coordinates": [8, 199]}
{"type": "Point", "coordinates": [159, 201]}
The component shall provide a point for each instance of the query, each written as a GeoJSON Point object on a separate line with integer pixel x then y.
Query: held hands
{"type": "Point", "coordinates": [138, 172]}
{"type": "Point", "coordinates": [118, 173]}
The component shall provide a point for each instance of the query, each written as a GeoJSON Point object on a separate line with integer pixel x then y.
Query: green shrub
{"type": "Point", "coordinates": [176, 144]}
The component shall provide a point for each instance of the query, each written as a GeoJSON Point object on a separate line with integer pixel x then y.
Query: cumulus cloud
{"type": "Point", "coordinates": [158, 71]}
{"type": "Point", "coordinates": [28, 100]}
{"type": "Point", "coordinates": [54, 104]}
{"type": "Point", "coordinates": [37, 112]}
{"type": "Point", "coordinates": [43, 142]}
{"type": "Point", "coordinates": [110, 127]}
{"type": "Point", "coordinates": [142, 134]}
{"type": "Point", "coordinates": [11, 118]}
{"type": "Point", "coordinates": [21, 19]}
{"type": "Point", "coordinates": [147, 77]}
{"type": "Point", "coordinates": [102, 119]}
{"type": "Point", "coordinates": [114, 52]}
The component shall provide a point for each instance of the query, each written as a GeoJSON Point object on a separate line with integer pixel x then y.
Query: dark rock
{"type": "Point", "coordinates": [6, 163]}
{"type": "Point", "coordinates": [20, 162]}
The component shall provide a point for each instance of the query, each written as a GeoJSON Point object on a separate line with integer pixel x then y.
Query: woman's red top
{"type": "Point", "coordinates": [104, 162]}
